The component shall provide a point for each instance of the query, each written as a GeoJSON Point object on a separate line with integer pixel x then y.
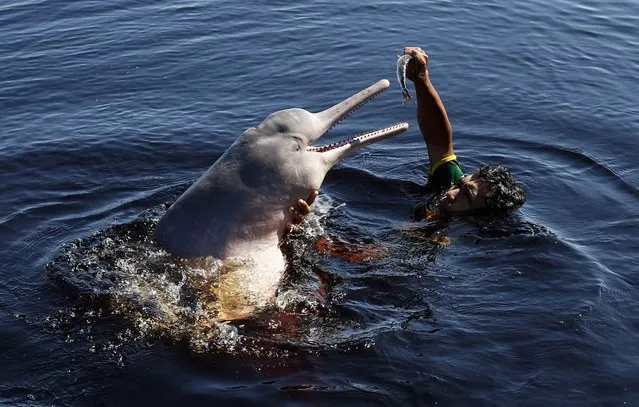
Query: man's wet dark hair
{"type": "Point", "coordinates": [503, 192]}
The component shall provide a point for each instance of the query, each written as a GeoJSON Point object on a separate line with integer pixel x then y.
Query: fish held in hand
{"type": "Point", "coordinates": [402, 66]}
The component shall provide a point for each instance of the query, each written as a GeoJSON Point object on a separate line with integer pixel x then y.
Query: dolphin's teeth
{"type": "Point", "coordinates": [341, 143]}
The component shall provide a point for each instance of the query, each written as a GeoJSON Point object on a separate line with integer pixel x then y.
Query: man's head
{"type": "Point", "coordinates": [492, 188]}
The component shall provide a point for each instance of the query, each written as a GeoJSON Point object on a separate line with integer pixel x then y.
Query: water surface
{"type": "Point", "coordinates": [111, 109]}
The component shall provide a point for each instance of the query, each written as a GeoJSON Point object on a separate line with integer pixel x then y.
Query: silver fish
{"type": "Point", "coordinates": [402, 63]}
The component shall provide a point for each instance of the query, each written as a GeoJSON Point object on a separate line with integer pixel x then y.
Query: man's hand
{"type": "Point", "coordinates": [303, 208]}
{"type": "Point", "coordinates": [416, 68]}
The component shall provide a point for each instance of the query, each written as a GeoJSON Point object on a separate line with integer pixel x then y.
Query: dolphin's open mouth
{"type": "Point", "coordinates": [332, 116]}
{"type": "Point", "coordinates": [374, 135]}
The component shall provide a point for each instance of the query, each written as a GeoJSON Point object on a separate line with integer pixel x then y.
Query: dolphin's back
{"type": "Point", "coordinates": [221, 208]}
{"type": "Point", "coordinates": [198, 223]}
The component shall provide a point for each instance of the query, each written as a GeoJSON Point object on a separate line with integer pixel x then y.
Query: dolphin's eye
{"type": "Point", "coordinates": [282, 128]}
{"type": "Point", "coordinates": [297, 143]}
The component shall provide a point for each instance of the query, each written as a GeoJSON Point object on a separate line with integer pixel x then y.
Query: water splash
{"type": "Point", "coordinates": [122, 271]}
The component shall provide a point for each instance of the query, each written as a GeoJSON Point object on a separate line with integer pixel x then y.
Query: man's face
{"type": "Point", "coordinates": [470, 195]}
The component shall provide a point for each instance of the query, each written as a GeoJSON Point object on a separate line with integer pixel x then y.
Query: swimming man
{"type": "Point", "coordinates": [490, 188]}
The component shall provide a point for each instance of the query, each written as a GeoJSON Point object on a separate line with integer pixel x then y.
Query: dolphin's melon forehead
{"type": "Point", "coordinates": [290, 120]}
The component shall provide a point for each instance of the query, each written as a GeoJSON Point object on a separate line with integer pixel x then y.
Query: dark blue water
{"type": "Point", "coordinates": [109, 110]}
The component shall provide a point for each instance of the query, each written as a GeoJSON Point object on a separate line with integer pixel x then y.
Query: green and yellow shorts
{"type": "Point", "coordinates": [444, 174]}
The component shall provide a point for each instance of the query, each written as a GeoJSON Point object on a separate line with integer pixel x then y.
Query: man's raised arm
{"type": "Point", "coordinates": [431, 114]}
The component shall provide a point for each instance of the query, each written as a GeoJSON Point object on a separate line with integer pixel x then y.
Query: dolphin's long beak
{"type": "Point", "coordinates": [334, 152]}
